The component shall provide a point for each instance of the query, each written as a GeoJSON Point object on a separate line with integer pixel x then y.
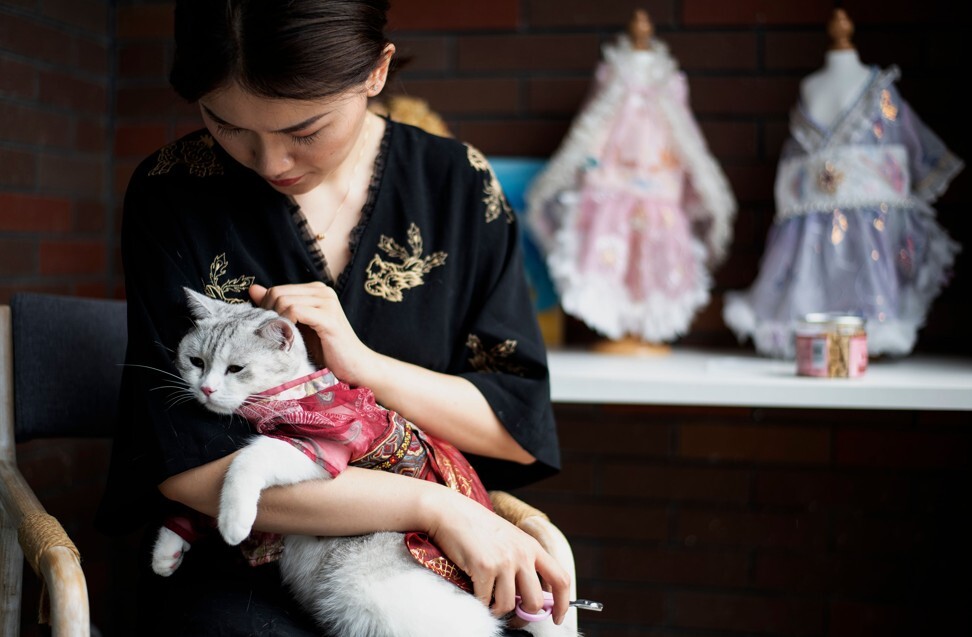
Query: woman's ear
{"type": "Point", "coordinates": [379, 75]}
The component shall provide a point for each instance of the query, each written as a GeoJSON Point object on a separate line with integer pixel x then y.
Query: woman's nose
{"type": "Point", "coordinates": [271, 158]}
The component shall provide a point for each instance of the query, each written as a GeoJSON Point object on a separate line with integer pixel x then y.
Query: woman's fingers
{"type": "Point", "coordinates": [503, 593]}
{"type": "Point", "coordinates": [557, 579]}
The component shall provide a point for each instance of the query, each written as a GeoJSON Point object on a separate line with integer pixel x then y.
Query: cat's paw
{"type": "Point", "coordinates": [236, 521]}
{"type": "Point", "coordinates": [168, 552]}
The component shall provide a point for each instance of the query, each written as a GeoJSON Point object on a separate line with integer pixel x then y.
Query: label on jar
{"type": "Point", "coordinates": [813, 354]}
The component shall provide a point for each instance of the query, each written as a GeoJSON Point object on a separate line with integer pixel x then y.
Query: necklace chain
{"type": "Point", "coordinates": [320, 236]}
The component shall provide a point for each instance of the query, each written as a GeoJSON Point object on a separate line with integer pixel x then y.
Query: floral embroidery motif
{"type": "Point", "coordinates": [196, 154]}
{"type": "Point", "coordinates": [217, 290]}
{"type": "Point", "coordinates": [888, 110]}
{"type": "Point", "coordinates": [389, 280]}
{"type": "Point", "coordinates": [496, 203]}
{"type": "Point", "coordinates": [496, 359]}
{"type": "Point", "coordinates": [830, 178]}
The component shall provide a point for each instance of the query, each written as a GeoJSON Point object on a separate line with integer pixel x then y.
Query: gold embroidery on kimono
{"type": "Point", "coordinates": [493, 198]}
{"type": "Point", "coordinates": [888, 109]}
{"type": "Point", "coordinates": [496, 359]}
{"type": "Point", "coordinates": [389, 280]}
{"type": "Point", "coordinates": [196, 154]}
{"type": "Point", "coordinates": [219, 290]}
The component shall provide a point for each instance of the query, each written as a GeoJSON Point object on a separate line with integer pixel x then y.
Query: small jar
{"type": "Point", "coordinates": [831, 345]}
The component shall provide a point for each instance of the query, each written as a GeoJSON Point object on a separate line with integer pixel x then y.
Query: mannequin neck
{"type": "Point", "coordinates": [842, 60]}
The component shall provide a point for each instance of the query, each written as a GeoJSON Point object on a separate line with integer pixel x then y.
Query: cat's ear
{"type": "Point", "coordinates": [200, 305]}
{"type": "Point", "coordinates": [280, 332]}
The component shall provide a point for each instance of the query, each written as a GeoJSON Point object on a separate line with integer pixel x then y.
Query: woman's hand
{"type": "Point", "coordinates": [501, 559]}
{"type": "Point", "coordinates": [332, 341]}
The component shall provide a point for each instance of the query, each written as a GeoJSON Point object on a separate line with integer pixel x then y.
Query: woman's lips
{"type": "Point", "coordinates": [283, 183]}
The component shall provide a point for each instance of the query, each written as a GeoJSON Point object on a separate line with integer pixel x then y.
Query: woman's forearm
{"type": "Point", "coordinates": [445, 406]}
{"type": "Point", "coordinates": [357, 501]}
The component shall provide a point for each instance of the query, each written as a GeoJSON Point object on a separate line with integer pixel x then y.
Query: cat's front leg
{"type": "Point", "coordinates": [168, 552]}
{"type": "Point", "coordinates": [264, 462]}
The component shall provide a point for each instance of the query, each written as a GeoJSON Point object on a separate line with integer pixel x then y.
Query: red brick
{"type": "Point", "coordinates": [7, 291]}
{"type": "Point", "coordinates": [674, 484]}
{"type": "Point", "coordinates": [940, 13]}
{"type": "Point", "coordinates": [653, 440]}
{"type": "Point", "coordinates": [731, 140]}
{"type": "Point", "coordinates": [636, 606]}
{"type": "Point", "coordinates": [523, 138]}
{"type": "Point", "coordinates": [860, 619]}
{"type": "Point", "coordinates": [26, 37]}
{"type": "Point", "coordinates": [72, 93]}
{"type": "Point", "coordinates": [17, 78]}
{"type": "Point", "coordinates": [19, 169]}
{"type": "Point", "coordinates": [485, 96]}
{"type": "Point", "coordinates": [93, 57]}
{"type": "Point", "coordinates": [144, 21]}
{"type": "Point", "coordinates": [744, 529]}
{"type": "Point", "coordinates": [81, 175]}
{"type": "Point", "coordinates": [605, 521]}
{"type": "Point", "coordinates": [423, 53]}
{"type": "Point", "coordinates": [30, 126]}
{"type": "Point", "coordinates": [90, 216]}
{"type": "Point", "coordinates": [751, 182]}
{"type": "Point", "coordinates": [713, 51]}
{"type": "Point", "coordinates": [72, 257]}
{"type": "Point", "coordinates": [614, 14]}
{"type": "Point", "coordinates": [143, 60]}
{"type": "Point", "coordinates": [743, 95]}
{"type": "Point", "coordinates": [747, 13]}
{"type": "Point", "coordinates": [748, 613]}
{"type": "Point", "coordinates": [844, 575]}
{"type": "Point", "coordinates": [17, 257]}
{"type": "Point", "coordinates": [660, 566]}
{"type": "Point", "coordinates": [813, 491]}
{"type": "Point", "coordinates": [560, 96]}
{"type": "Point", "coordinates": [528, 53]}
{"type": "Point", "coordinates": [756, 444]}
{"type": "Point", "coordinates": [139, 140]}
{"type": "Point", "coordinates": [89, 15]}
{"type": "Point", "coordinates": [91, 135]}
{"type": "Point", "coordinates": [160, 101]}
{"type": "Point", "coordinates": [448, 15]}
{"type": "Point", "coordinates": [902, 450]}
{"type": "Point", "coordinates": [34, 213]}
{"type": "Point", "coordinates": [577, 479]}
{"type": "Point", "coordinates": [95, 290]}
{"type": "Point", "coordinates": [803, 52]}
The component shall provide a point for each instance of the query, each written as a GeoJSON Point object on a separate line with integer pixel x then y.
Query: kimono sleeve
{"type": "Point", "coordinates": [161, 430]}
{"type": "Point", "coordinates": [505, 353]}
{"type": "Point", "coordinates": [932, 164]}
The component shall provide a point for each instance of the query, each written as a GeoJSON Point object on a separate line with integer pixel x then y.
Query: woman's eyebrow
{"type": "Point", "coordinates": [290, 129]}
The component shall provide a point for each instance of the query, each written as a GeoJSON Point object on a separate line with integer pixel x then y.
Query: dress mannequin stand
{"type": "Point", "coordinates": [829, 92]}
{"type": "Point", "coordinates": [639, 30]}
{"type": "Point", "coordinates": [854, 230]}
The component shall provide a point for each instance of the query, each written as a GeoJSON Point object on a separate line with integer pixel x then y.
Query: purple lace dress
{"type": "Point", "coordinates": [854, 229]}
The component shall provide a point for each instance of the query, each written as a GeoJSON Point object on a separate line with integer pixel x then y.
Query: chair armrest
{"type": "Point", "coordinates": [536, 523]}
{"type": "Point", "coordinates": [50, 553]}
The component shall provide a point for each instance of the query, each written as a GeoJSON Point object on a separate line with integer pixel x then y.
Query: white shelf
{"type": "Point", "coordinates": [708, 377]}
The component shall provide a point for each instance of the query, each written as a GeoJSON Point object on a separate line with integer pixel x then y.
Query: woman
{"type": "Point", "coordinates": [395, 252]}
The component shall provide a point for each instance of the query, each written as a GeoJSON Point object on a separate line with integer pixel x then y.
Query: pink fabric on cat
{"type": "Point", "coordinates": [335, 425]}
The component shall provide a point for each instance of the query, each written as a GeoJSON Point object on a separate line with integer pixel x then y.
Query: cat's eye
{"type": "Point", "coordinates": [232, 369]}
{"type": "Point", "coordinates": [196, 361]}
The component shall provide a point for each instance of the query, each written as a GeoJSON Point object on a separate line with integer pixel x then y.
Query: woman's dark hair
{"type": "Point", "coordinates": [291, 49]}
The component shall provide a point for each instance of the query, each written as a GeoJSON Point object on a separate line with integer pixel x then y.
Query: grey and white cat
{"type": "Point", "coordinates": [361, 586]}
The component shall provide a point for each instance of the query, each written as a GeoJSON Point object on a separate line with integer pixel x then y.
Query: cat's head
{"type": "Point", "coordinates": [235, 350]}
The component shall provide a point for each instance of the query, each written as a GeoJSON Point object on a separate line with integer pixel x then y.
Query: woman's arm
{"type": "Point", "coordinates": [447, 407]}
{"type": "Point", "coordinates": [501, 559]}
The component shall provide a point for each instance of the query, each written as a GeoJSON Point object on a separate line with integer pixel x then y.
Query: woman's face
{"type": "Point", "coordinates": [293, 144]}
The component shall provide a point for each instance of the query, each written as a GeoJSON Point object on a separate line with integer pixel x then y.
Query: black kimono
{"type": "Point", "coordinates": [436, 279]}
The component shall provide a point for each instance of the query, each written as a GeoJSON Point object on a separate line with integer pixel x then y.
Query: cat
{"type": "Point", "coordinates": [361, 586]}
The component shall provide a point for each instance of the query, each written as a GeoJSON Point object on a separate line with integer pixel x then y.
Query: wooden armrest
{"type": "Point", "coordinates": [50, 553]}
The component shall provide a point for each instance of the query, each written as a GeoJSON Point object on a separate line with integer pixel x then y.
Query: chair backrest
{"type": "Point", "coordinates": [68, 355]}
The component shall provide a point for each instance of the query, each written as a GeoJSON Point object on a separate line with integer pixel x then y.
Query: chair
{"type": "Point", "coordinates": [76, 346]}
{"type": "Point", "coordinates": [46, 341]}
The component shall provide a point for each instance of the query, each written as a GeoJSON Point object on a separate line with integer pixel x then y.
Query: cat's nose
{"type": "Point", "coordinates": [207, 390]}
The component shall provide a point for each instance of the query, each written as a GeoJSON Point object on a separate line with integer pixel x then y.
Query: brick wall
{"type": "Point", "coordinates": [717, 522]}
{"type": "Point", "coordinates": [56, 228]}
